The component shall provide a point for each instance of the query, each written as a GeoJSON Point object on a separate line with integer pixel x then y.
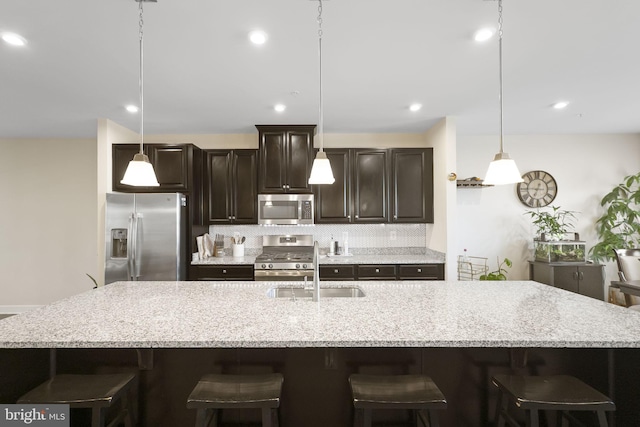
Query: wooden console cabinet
{"type": "Point", "coordinates": [581, 278]}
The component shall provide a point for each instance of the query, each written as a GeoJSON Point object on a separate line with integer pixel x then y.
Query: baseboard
{"type": "Point", "coordinates": [17, 309]}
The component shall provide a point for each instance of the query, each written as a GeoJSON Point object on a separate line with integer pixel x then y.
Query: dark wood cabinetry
{"type": "Point", "coordinates": [231, 186]}
{"type": "Point", "coordinates": [178, 167]}
{"type": "Point", "coordinates": [377, 186]}
{"type": "Point", "coordinates": [582, 278]}
{"type": "Point", "coordinates": [382, 272]}
{"type": "Point", "coordinates": [412, 185]}
{"type": "Point", "coordinates": [221, 272]}
{"type": "Point", "coordinates": [286, 156]}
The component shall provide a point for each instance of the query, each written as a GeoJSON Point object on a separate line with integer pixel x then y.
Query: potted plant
{"type": "Point", "coordinates": [553, 229]}
{"type": "Point", "coordinates": [500, 273]}
{"type": "Point", "coordinates": [619, 226]}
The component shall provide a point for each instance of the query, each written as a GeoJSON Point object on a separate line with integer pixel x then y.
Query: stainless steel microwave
{"type": "Point", "coordinates": [285, 209]}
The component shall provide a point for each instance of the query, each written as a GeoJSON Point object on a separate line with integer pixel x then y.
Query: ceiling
{"type": "Point", "coordinates": [203, 76]}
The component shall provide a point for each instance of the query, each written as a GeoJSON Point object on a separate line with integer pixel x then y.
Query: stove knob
{"type": "Point", "coordinates": [297, 265]}
{"type": "Point", "coordinates": [270, 265]}
{"type": "Point", "coordinates": [264, 266]}
{"type": "Point", "coordinates": [304, 266]}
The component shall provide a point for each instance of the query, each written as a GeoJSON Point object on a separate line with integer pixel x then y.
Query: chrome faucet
{"type": "Point", "coordinates": [316, 273]}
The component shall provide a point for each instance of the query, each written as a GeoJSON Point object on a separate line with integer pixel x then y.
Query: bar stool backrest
{"type": "Point", "coordinates": [628, 264]}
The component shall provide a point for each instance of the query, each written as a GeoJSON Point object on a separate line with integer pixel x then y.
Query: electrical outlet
{"type": "Point", "coordinates": [392, 235]}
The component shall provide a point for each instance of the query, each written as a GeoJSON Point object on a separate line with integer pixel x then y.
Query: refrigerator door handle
{"type": "Point", "coordinates": [131, 247]}
{"type": "Point", "coordinates": [138, 244]}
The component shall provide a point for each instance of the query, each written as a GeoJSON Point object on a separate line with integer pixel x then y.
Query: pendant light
{"type": "Point", "coordinates": [321, 170]}
{"type": "Point", "coordinates": [140, 172]}
{"type": "Point", "coordinates": [503, 169]}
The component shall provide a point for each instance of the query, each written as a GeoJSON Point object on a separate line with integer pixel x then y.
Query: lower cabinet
{"type": "Point", "coordinates": [221, 272]}
{"type": "Point", "coordinates": [382, 272]}
{"type": "Point", "coordinates": [581, 278]}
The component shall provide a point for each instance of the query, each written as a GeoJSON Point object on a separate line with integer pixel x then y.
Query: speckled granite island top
{"type": "Point", "coordinates": [392, 314]}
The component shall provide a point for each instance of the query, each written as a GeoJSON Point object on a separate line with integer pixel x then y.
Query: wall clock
{"type": "Point", "coordinates": [538, 189]}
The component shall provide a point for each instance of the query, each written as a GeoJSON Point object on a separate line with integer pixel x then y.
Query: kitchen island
{"type": "Point", "coordinates": [457, 332]}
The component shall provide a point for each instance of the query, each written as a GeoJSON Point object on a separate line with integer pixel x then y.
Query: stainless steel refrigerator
{"type": "Point", "coordinates": [146, 237]}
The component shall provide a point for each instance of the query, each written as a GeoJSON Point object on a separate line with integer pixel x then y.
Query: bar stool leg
{"type": "Point", "coordinates": [533, 420]}
{"type": "Point", "coordinates": [268, 418]}
{"type": "Point", "coordinates": [602, 417]}
{"type": "Point", "coordinates": [366, 417]}
{"type": "Point", "coordinates": [97, 417]}
{"type": "Point", "coordinates": [500, 406]}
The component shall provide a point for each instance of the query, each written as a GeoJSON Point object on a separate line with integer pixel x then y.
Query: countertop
{"type": "Point", "coordinates": [392, 314]}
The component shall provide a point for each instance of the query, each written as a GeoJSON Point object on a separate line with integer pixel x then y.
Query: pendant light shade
{"type": "Point", "coordinates": [140, 171]}
{"type": "Point", "coordinates": [502, 170]}
{"type": "Point", "coordinates": [321, 172]}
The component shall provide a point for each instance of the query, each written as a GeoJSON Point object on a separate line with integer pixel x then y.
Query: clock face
{"type": "Point", "coordinates": [538, 189]}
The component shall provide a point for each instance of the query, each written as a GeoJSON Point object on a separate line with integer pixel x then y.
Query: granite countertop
{"type": "Point", "coordinates": [391, 314]}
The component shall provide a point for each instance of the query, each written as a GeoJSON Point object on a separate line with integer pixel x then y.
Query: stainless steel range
{"type": "Point", "coordinates": [285, 257]}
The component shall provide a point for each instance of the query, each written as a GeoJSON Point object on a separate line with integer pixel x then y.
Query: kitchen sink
{"type": "Point", "coordinates": [298, 292]}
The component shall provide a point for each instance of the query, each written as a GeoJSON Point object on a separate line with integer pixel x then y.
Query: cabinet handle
{"type": "Point", "coordinates": [419, 270]}
{"type": "Point", "coordinates": [395, 217]}
{"type": "Point", "coordinates": [377, 270]}
{"type": "Point", "coordinates": [357, 216]}
{"type": "Point", "coordinates": [229, 216]}
{"type": "Point", "coordinates": [575, 275]}
{"type": "Point", "coordinates": [224, 271]}
{"type": "Point", "coordinates": [349, 217]}
{"type": "Point", "coordinates": [233, 217]}
{"type": "Point", "coordinates": [336, 271]}
{"type": "Point", "coordinates": [581, 275]}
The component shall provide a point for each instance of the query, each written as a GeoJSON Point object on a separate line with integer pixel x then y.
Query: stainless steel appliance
{"type": "Point", "coordinates": [285, 257]}
{"type": "Point", "coordinates": [285, 209]}
{"type": "Point", "coordinates": [145, 237]}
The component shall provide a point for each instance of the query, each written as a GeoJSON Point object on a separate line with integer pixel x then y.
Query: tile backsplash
{"type": "Point", "coordinates": [361, 236]}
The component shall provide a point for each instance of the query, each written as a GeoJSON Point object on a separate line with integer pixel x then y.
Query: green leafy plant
{"type": "Point", "coordinates": [554, 224]}
{"type": "Point", "coordinates": [619, 226]}
{"type": "Point", "coordinates": [500, 273]}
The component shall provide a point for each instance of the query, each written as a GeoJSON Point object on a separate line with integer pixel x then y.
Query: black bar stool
{"type": "Point", "coordinates": [414, 392]}
{"type": "Point", "coordinates": [215, 392]}
{"type": "Point", "coordinates": [560, 393]}
{"type": "Point", "coordinates": [96, 392]}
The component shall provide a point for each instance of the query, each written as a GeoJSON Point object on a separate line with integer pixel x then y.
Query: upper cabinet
{"type": "Point", "coordinates": [412, 185]}
{"type": "Point", "coordinates": [377, 186]}
{"type": "Point", "coordinates": [285, 159]}
{"type": "Point", "coordinates": [231, 187]}
{"type": "Point", "coordinates": [177, 167]}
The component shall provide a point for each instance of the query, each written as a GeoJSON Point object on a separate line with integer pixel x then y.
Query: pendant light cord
{"type": "Point", "coordinates": [500, 73]}
{"type": "Point", "coordinates": [321, 115]}
{"type": "Point", "coordinates": [141, 79]}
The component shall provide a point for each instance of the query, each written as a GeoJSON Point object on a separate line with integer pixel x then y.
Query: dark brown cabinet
{"type": "Point", "coordinates": [377, 186]}
{"type": "Point", "coordinates": [581, 278]}
{"type": "Point", "coordinates": [286, 156]}
{"type": "Point", "coordinates": [412, 185]}
{"type": "Point", "coordinates": [221, 272]}
{"type": "Point", "coordinates": [231, 186]}
{"type": "Point", "coordinates": [382, 272]}
{"type": "Point", "coordinates": [177, 167]}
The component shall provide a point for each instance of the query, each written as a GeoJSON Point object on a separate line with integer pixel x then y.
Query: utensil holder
{"type": "Point", "coordinates": [238, 249]}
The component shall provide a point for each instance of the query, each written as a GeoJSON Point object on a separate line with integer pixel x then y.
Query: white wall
{"type": "Point", "coordinates": [490, 222]}
{"type": "Point", "coordinates": [47, 220]}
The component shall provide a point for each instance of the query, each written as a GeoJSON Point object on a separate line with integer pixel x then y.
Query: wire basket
{"type": "Point", "coordinates": [471, 268]}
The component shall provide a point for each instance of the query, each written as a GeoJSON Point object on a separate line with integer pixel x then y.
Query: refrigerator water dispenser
{"type": "Point", "coordinates": [118, 243]}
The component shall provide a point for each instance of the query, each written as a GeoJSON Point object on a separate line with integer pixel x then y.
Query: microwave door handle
{"type": "Point", "coordinates": [130, 247]}
{"type": "Point", "coordinates": [299, 210]}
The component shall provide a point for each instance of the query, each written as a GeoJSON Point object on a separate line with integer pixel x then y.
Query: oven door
{"type": "Point", "coordinates": [282, 275]}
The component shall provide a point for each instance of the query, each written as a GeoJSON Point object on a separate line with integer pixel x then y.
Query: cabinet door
{"type": "Point", "coordinates": [421, 272]}
{"type": "Point", "coordinates": [370, 190]}
{"type": "Point", "coordinates": [221, 272]}
{"type": "Point", "coordinates": [333, 202]}
{"type": "Point", "coordinates": [337, 272]}
{"type": "Point", "coordinates": [591, 281]}
{"type": "Point", "coordinates": [299, 160]}
{"type": "Point", "coordinates": [218, 186]}
{"type": "Point", "coordinates": [171, 164]}
{"type": "Point", "coordinates": [376, 272]}
{"type": "Point", "coordinates": [121, 155]}
{"type": "Point", "coordinates": [272, 162]}
{"type": "Point", "coordinates": [566, 277]}
{"type": "Point", "coordinates": [245, 186]}
{"type": "Point", "coordinates": [412, 185]}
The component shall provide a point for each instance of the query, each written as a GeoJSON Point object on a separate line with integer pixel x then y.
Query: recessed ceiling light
{"type": "Point", "coordinates": [14, 39]}
{"type": "Point", "coordinates": [280, 108]}
{"type": "Point", "coordinates": [415, 107]}
{"type": "Point", "coordinates": [258, 37]}
{"type": "Point", "coordinates": [483, 34]}
{"type": "Point", "coordinates": [560, 105]}
{"type": "Point", "coordinates": [132, 108]}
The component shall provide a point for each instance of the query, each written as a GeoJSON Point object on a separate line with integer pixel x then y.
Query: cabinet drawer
{"type": "Point", "coordinates": [421, 271]}
{"type": "Point", "coordinates": [223, 272]}
{"type": "Point", "coordinates": [338, 272]}
{"type": "Point", "coordinates": [373, 272]}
